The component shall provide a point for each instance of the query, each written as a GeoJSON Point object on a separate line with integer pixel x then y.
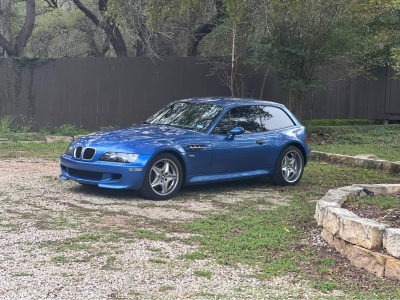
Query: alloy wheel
{"type": "Point", "coordinates": [164, 176]}
{"type": "Point", "coordinates": [292, 165]}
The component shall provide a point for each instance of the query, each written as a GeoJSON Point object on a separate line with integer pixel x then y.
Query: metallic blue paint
{"type": "Point", "coordinates": [221, 158]}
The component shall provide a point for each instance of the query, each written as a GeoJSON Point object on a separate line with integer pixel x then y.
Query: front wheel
{"type": "Point", "coordinates": [289, 167]}
{"type": "Point", "coordinates": [163, 178]}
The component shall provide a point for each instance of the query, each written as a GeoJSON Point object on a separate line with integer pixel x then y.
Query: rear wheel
{"type": "Point", "coordinates": [289, 167]}
{"type": "Point", "coordinates": [163, 178]}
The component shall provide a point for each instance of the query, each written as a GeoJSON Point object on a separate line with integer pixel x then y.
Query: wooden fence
{"type": "Point", "coordinates": [96, 92]}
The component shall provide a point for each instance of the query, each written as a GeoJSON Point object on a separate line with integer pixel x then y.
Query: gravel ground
{"type": "Point", "coordinates": [59, 240]}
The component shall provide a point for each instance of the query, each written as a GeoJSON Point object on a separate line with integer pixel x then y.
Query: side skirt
{"type": "Point", "coordinates": [226, 176]}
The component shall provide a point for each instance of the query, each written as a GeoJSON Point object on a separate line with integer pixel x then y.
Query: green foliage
{"type": "Point", "coordinates": [156, 261]}
{"type": "Point", "coordinates": [354, 140]}
{"type": "Point", "coordinates": [59, 259]}
{"type": "Point", "coordinates": [326, 286]}
{"type": "Point", "coordinates": [381, 202]}
{"type": "Point", "coordinates": [31, 64]}
{"type": "Point", "coordinates": [5, 124]}
{"type": "Point", "coordinates": [326, 261]}
{"type": "Point", "coordinates": [69, 130]}
{"type": "Point", "coordinates": [206, 274]}
{"type": "Point", "coordinates": [166, 288]}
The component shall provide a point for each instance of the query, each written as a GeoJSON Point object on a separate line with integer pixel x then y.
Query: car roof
{"type": "Point", "coordinates": [232, 101]}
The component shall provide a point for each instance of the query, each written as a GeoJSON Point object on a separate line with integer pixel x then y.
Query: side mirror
{"type": "Point", "coordinates": [235, 131]}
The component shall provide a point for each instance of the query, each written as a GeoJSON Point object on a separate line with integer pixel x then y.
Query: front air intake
{"type": "Point", "coordinates": [88, 153]}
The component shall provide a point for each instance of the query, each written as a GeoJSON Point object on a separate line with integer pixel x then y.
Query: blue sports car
{"type": "Point", "coordinates": [189, 142]}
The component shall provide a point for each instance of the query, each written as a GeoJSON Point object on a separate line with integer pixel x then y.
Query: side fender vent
{"type": "Point", "coordinates": [197, 147]}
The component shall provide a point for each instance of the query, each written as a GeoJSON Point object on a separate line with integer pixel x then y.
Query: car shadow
{"type": "Point", "coordinates": [186, 191]}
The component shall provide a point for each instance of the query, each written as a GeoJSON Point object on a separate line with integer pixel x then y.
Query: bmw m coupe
{"type": "Point", "coordinates": [192, 141]}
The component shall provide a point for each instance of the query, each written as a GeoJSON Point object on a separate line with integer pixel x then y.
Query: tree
{"type": "Point", "coordinates": [65, 32]}
{"type": "Point", "coordinates": [14, 46]}
{"type": "Point", "coordinates": [303, 40]}
{"type": "Point", "coordinates": [107, 24]}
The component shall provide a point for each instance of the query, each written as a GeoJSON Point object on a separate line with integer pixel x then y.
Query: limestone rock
{"type": "Point", "coordinates": [391, 241]}
{"type": "Point", "coordinates": [363, 232]}
{"type": "Point", "coordinates": [395, 167]}
{"type": "Point", "coordinates": [320, 208]}
{"type": "Point", "coordinates": [378, 189]}
{"type": "Point", "coordinates": [343, 159]}
{"type": "Point", "coordinates": [392, 269]}
{"type": "Point", "coordinates": [366, 156]}
{"type": "Point", "coordinates": [342, 246]}
{"type": "Point", "coordinates": [386, 165]}
{"type": "Point", "coordinates": [56, 139]}
{"type": "Point", "coordinates": [332, 218]}
{"type": "Point", "coordinates": [337, 196]}
{"type": "Point", "coordinates": [328, 237]}
{"type": "Point", "coordinates": [392, 188]}
{"type": "Point", "coordinates": [373, 262]}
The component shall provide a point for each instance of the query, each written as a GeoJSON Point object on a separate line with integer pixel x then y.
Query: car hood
{"type": "Point", "coordinates": [143, 138]}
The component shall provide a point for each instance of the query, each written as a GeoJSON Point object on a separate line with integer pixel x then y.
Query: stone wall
{"type": "Point", "coordinates": [364, 161]}
{"type": "Point", "coordinates": [360, 239]}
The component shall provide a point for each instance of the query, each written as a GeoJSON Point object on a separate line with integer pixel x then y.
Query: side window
{"type": "Point", "coordinates": [223, 125]}
{"type": "Point", "coordinates": [247, 117]}
{"type": "Point", "coordinates": [274, 118]}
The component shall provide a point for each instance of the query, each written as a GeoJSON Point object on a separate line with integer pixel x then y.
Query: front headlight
{"type": "Point", "coordinates": [69, 150]}
{"type": "Point", "coordinates": [119, 157]}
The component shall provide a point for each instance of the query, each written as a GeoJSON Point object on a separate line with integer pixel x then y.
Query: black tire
{"type": "Point", "coordinates": [277, 177]}
{"type": "Point", "coordinates": [151, 193]}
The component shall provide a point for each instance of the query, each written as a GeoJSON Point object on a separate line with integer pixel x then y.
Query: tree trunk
{"type": "Point", "coordinates": [263, 84]}
{"type": "Point", "coordinates": [296, 102]}
{"type": "Point", "coordinates": [15, 47]}
{"type": "Point", "coordinates": [5, 20]}
{"type": "Point", "coordinates": [233, 65]}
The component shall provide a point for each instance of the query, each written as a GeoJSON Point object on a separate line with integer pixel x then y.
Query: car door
{"type": "Point", "coordinates": [246, 152]}
{"type": "Point", "coordinates": [275, 123]}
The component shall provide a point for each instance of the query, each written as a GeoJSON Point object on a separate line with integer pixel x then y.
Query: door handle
{"type": "Point", "coordinates": [260, 142]}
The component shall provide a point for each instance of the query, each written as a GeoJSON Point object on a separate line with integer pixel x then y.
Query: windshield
{"type": "Point", "coordinates": [189, 115]}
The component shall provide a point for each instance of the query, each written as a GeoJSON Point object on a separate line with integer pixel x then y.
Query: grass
{"type": "Point", "coordinates": [206, 274]}
{"type": "Point", "coordinates": [385, 202]}
{"type": "Point", "coordinates": [37, 150]}
{"type": "Point", "coordinates": [381, 140]}
{"type": "Point", "coordinates": [59, 259]}
{"type": "Point", "coordinates": [271, 241]}
{"type": "Point", "coordinates": [166, 288]}
{"type": "Point", "coordinates": [156, 261]}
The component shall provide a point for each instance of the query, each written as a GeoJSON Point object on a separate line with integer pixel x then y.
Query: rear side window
{"type": "Point", "coordinates": [247, 117]}
{"type": "Point", "coordinates": [274, 118]}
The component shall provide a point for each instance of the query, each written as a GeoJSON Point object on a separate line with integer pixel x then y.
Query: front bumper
{"type": "Point", "coordinates": [105, 174]}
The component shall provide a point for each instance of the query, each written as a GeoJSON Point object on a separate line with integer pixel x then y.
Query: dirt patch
{"type": "Point", "coordinates": [389, 216]}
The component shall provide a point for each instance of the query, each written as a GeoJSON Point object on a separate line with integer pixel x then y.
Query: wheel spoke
{"type": "Point", "coordinates": [156, 170]}
{"type": "Point", "coordinates": [171, 177]}
{"type": "Point", "coordinates": [165, 186]}
{"type": "Point", "coordinates": [156, 182]}
{"type": "Point", "coordinates": [285, 161]}
{"type": "Point", "coordinates": [166, 168]}
{"type": "Point", "coordinates": [288, 173]}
